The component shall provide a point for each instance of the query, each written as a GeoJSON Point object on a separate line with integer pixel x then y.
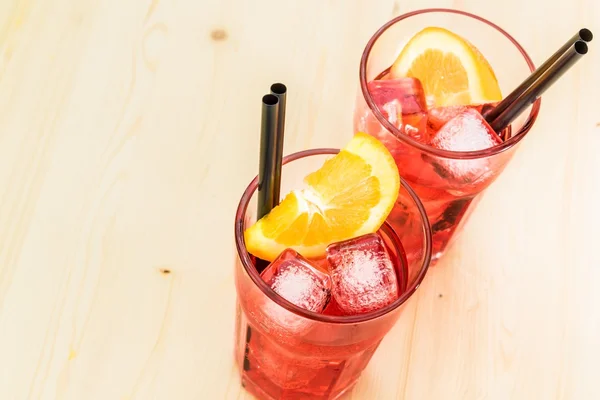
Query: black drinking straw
{"type": "Point", "coordinates": [269, 172]}
{"type": "Point", "coordinates": [279, 90]}
{"type": "Point", "coordinates": [582, 35]}
{"type": "Point", "coordinates": [514, 104]}
{"type": "Point", "coordinates": [268, 177]}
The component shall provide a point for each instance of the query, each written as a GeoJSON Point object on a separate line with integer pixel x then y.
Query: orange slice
{"type": "Point", "coordinates": [350, 195]}
{"type": "Point", "coordinates": [452, 70]}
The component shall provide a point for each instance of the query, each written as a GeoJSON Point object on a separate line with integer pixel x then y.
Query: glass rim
{"type": "Point", "coordinates": [514, 139]}
{"type": "Point", "coordinates": [246, 261]}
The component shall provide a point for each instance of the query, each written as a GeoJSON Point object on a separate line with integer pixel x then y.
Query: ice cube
{"type": "Point", "coordinates": [406, 94]}
{"type": "Point", "coordinates": [467, 131]}
{"type": "Point", "coordinates": [298, 281]}
{"type": "Point", "coordinates": [415, 126]}
{"type": "Point", "coordinates": [362, 274]}
{"type": "Point", "coordinates": [402, 102]}
{"type": "Point", "coordinates": [438, 116]}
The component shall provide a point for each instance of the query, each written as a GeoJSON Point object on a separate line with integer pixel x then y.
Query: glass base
{"type": "Point", "coordinates": [270, 371]}
{"type": "Point", "coordinates": [255, 390]}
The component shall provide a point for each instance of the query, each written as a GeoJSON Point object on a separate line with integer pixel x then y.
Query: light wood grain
{"type": "Point", "coordinates": [128, 130]}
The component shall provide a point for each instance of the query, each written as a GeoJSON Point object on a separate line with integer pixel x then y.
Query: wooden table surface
{"type": "Point", "coordinates": [128, 130]}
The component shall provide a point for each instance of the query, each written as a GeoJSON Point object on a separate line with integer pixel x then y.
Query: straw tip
{"type": "Point", "coordinates": [270, 100]}
{"type": "Point", "coordinates": [278, 88]}
{"type": "Point", "coordinates": [586, 35]}
{"type": "Point", "coordinates": [581, 47]}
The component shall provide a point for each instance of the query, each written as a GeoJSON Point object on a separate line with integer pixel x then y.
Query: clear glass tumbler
{"type": "Point", "coordinates": [286, 352]}
{"type": "Point", "coordinates": [447, 182]}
